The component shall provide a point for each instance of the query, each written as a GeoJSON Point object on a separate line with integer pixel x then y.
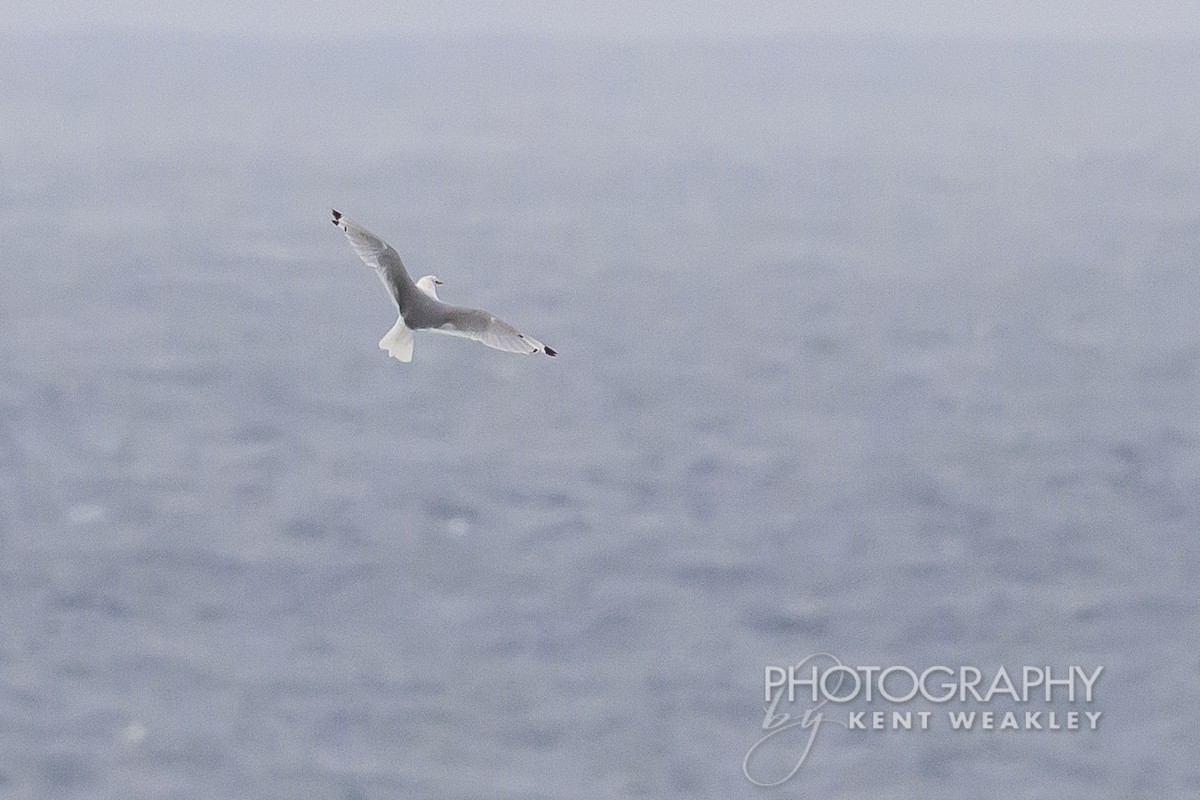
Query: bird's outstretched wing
{"type": "Point", "coordinates": [377, 253]}
{"type": "Point", "coordinates": [473, 323]}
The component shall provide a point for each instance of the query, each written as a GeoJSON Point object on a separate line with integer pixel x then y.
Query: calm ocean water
{"type": "Point", "coordinates": [880, 350]}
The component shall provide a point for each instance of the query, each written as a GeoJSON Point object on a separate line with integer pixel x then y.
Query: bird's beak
{"type": "Point", "coordinates": [439, 283]}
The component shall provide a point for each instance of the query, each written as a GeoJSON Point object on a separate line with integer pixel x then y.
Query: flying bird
{"type": "Point", "coordinates": [420, 307]}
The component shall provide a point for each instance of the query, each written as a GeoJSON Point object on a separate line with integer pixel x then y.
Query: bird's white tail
{"type": "Point", "coordinates": [398, 342]}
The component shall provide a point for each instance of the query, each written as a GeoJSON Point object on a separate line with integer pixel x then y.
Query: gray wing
{"type": "Point", "coordinates": [377, 253]}
{"type": "Point", "coordinates": [474, 323]}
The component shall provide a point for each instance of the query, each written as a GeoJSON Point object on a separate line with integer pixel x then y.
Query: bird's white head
{"type": "Point", "coordinates": [429, 284]}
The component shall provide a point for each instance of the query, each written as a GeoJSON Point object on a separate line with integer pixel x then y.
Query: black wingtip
{"type": "Point", "coordinates": [550, 351]}
{"type": "Point", "coordinates": [337, 215]}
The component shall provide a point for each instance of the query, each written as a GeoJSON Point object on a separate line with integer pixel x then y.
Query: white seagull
{"type": "Point", "coordinates": [420, 307]}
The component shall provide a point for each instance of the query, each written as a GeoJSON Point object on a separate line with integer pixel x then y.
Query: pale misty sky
{"type": "Point", "coordinates": [1092, 20]}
